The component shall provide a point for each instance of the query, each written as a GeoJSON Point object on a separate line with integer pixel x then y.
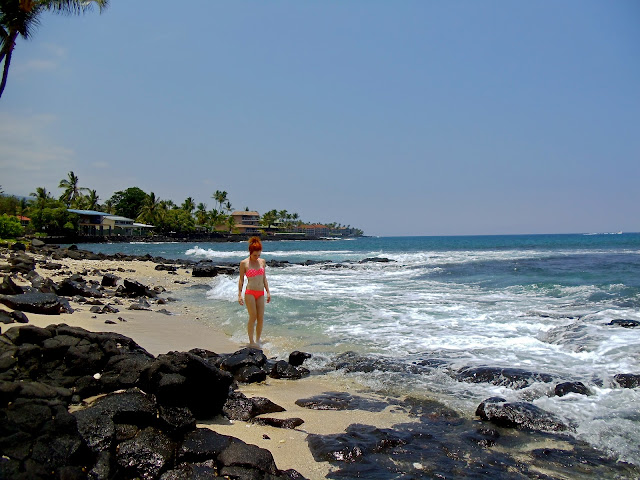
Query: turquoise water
{"type": "Point", "coordinates": [539, 302]}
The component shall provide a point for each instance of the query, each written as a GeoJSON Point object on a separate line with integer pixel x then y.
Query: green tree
{"type": "Point", "coordinates": [128, 203]}
{"type": "Point", "coordinates": [10, 227]}
{"type": "Point", "coordinates": [231, 223]}
{"type": "Point", "coordinates": [269, 218]}
{"type": "Point", "coordinates": [42, 197]}
{"type": "Point", "coordinates": [220, 197]}
{"type": "Point", "coordinates": [168, 204]}
{"type": "Point", "coordinates": [217, 218]}
{"type": "Point", "coordinates": [92, 200]}
{"type": "Point", "coordinates": [72, 191]}
{"type": "Point", "coordinates": [21, 17]}
{"type": "Point", "coordinates": [11, 205]}
{"type": "Point", "coordinates": [188, 205]}
{"type": "Point", "coordinates": [175, 220]}
{"type": "Point", "coordinates": [201, 214]}
{"type": "Point", "coordinates": [107, 206]}
{"type": "Point", "coordinates": [150, 212]}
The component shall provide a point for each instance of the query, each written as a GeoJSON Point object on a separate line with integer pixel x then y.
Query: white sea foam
{"type": "Point", "coordinates": [211, 253]}
{"type": "Point", "coordinates": [464, 308]}
{"type": "Point", "coordinates": [223, 288]}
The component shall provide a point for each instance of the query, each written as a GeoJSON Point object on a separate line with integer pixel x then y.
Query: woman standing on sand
{"type": "Point", "coordinates": [254, 269]}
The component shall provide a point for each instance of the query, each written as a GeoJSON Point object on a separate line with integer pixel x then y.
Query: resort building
{"type": "Point", "coordinates": [24, 221]}
{"type": "Point", "coordinates": [92, 222]}
{"type": "Point", "coordinates": [316, 230]}
{"type": "Point", "coordinates": [246, 221]}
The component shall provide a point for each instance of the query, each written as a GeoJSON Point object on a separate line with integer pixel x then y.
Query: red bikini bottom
{"type": "Point", "coordinates": [256, 293]}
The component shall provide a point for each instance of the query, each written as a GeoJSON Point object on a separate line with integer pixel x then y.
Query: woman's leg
{"type": "Point", "coordinates": [250, 302]}
{"type": "Point", "coordinates": [259, 317]}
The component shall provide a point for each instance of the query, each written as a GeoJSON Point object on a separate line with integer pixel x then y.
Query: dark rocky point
{"type": "Point", "coordinates": [520, 415]}
{"type": "Point", "coordinates": [627, 380]}
{"type": "Point", "coordinates": [625, 323]}
{"type": "Point", "coordinates": [563, 389]}
{"type": "Point", "coordinates": [516, 378]}
{"type": "Point", "coordinates": [142, 423]}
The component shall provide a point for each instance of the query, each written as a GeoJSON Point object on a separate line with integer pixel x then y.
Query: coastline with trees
{"type": "Point", "coordinates": [42, 214]}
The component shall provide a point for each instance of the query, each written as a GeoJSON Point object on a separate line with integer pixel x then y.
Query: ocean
{"type": "Point", "coordinates": [542, 303]}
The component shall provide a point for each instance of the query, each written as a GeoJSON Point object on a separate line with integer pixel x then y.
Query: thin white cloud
{"type": "Point", "coordinates": [29, 154]}
{"type": "Point", "coordinates": [49, 58]}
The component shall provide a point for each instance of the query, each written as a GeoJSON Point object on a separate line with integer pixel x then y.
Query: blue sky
{"type": "Point", "coordinates": [399, 117]}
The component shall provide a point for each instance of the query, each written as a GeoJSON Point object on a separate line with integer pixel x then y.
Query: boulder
{"type": "Point", "coordinates": [203, 444]}
{"type": "Point", "coordinates": [250, 374]}
{"type": "Point", "coordinates": [182, 379]}
{"type": "Point", "coordinates": [282, 369]}
{"type": "Point", "coordinates": [627, 380]}
{"type": "Point", "coordinates": [70, 288]}
{"type": "Point", "coordinates": [342, 401]}
{"type": "Point", "coordinates": [51, 266]}
{"type": "Point", "coordinates": [519, 415]}
{"type": "Point", "coordinates": [625, 323]}
{"type": "Point", "coordinates": [21, 263]}
{"type": "Point", "coordinates": [8, 287]}
{"type": "Point", "coordinates": [375, 260]}
{"type": "Point", "coordinates": [13, 317]}
{"type": "Point", "coordinates": [133, 288]}
{"type": "Point", "coordinates": [109, 280]}
{"type": "Point", "coordinates": [34, 302]}
{"type": "Point", "coordinates": [43, 440]}
{"type": "Point", "coordinates": [18, 247]}
{"type": "Point", "coordinates": [245, 365]}
{"type": "Point", "coordinates": [240, 454]}
{"type": "Point", "coordinates": [204, 270]}
{"type": "Point", "coordinates": [297, 358]}
{"type": "Point", "coordinates": [289, 423]}
{"type": "Point", "coordinates": [239, 407]}
{"type": "Point", "coordinates": [145, 455]}
{"type": "Point", "coordinates": [563, 389]}
{"type": "Point", "coordinates": [516, 378]}
{"type": "Point", "coordinates": [166, 268]}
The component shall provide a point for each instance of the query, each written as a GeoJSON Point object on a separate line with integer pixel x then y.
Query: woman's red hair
{"type": "Point", "coordinates": [254, 244]}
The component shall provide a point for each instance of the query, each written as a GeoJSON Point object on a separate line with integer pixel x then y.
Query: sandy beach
{"type": "Point", "coordinates": [159, 333]}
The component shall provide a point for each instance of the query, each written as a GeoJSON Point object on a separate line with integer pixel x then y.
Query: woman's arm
{"type": "Point", "coordinates": [241, 283]}
{"type": "Point", "coordinates": [266, 283]}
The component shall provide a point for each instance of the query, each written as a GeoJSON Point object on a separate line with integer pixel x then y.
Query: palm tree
{"type": "Point", "coordinates": [268, 218]}
{"type": "Point", "coordinates": [42, 197]}
{"type": "Point", "coordinates": [219, 197]}
{"type": "Point", "coordinates": [21, 17]}
{"type": "Point", "coordinates": [188, 205]}
{"type": "Point", "coordinates": [150, 209]}
{"type": "Point", "coordinates": [108, 205]}
{"type": "Point", "coordinates": [71, 189]}
{"type": "Point", "coordinates": [92, 200]}
{"type": "Point", "coordinates": [168, 205]}
{"type": "Point", "coordinates": [201, 214]}
{"type": "Point", "coordinates": [227, 207]}
{"type": "Point", "coordinates": [216, 218]}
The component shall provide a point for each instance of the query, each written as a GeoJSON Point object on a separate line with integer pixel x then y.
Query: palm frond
{"type": "Point", "coordinates": [72, 7]}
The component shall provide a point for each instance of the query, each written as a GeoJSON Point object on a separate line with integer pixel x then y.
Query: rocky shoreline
{"type": "Point", "coordinates": [84, 404]}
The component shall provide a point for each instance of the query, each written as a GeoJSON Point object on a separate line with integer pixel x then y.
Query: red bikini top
{"type": "Point", "coordinates": [252, 272]}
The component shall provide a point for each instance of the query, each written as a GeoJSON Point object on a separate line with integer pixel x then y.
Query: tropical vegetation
{"type": "Point", "coordinates": [55, 216]}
